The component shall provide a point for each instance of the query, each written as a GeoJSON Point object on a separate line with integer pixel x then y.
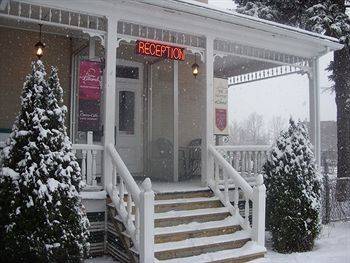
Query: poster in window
{"type": "Point", "coordinates": [90, 76]}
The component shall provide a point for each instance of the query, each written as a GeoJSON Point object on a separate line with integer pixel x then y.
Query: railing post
{"type": "Point", "coordinates": [146, 222]}
{"type": "Point", "coordinates": [259, 196]}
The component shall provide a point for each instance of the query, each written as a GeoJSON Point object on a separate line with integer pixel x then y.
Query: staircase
{"type": "Point", "coordinates": [189, 227]}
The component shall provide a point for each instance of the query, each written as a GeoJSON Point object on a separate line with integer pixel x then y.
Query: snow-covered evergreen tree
{"type": "Point", "coordinates": [293, 191]}
{"type": "Point", "coordinates": [42, 219]}
{"type": "Point", "coordinates": [327, 17]}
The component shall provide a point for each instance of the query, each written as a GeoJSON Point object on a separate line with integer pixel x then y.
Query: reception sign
{"type": "Point", "coordinates": [220, 106]}
{"type": "Point", "coordinates": [155, 49]}
{"type": "Point", "coordinates": [89, 95]}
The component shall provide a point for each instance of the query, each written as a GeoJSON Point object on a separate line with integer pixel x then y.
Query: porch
{"type": "Point", "coordinates": [150, 108]}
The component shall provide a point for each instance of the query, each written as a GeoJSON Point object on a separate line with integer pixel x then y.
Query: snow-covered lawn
{"type": "Point", "coordinates": [332, 247]}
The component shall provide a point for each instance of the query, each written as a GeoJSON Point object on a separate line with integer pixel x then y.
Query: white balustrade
{"type": "Point", "coordinates": [227, 179]}
{"type": "Point", "coordinates": [88, 165]}
{"type": "Point", "coordinates": [247, 160]}
{"type": "Point", "coordinates": [135, 206]}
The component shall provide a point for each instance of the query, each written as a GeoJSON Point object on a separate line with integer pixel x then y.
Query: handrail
{"type": "Point", "coordinates": [238, 179]}
{"type": "Point", "coordinates": [87, 147]}
{"type": "Point", "coordinates": [138, 222]}
{"type": "Point", "coordinates": [131, 185]}
{"type": "Point", "coordinates": [223, 171]}
{"type": "Point", "coordinates": [244, 147]}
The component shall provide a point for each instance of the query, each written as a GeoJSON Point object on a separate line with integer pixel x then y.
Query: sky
{"type": "Point", "coordinates": [283, 96]}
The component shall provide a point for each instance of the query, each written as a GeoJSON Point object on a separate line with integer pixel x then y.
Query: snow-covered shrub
{"type": "Point", "coordinates": [42, 219]}
{"type": "Point", "coordinates": [293, 191]}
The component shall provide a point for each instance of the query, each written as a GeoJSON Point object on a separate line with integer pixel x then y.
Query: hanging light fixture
{"type": "Point", "coordinates": [39, 47]}
{"type": "Point", "coordinates": [195, 67]}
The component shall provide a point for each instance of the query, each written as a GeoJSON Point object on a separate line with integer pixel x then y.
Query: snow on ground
{"type": "Point", "coordinates": [332, 247]}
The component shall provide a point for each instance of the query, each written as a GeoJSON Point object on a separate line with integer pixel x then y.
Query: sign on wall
{"type": "Point", "coordinates": [220, 106]}
{"type": "Point", "coordinates": [155, 49]}
{"type": "Point", "coordinates": [89, 95]}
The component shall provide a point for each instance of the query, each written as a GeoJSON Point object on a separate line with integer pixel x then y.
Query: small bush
{"type": "Point", "coordinates": [293, 191]}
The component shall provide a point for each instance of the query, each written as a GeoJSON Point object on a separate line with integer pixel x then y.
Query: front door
{"type": "Point", "coordinates": [129, 142]}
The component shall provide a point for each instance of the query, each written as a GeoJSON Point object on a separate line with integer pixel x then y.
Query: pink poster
{"type": "Point", "coordinates": [90, 80]}
{"type": "Point", "coordinates": [89, 95]}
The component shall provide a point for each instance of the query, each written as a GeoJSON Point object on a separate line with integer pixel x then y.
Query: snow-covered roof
{"type": "Point", "coordinates": [229, 16]}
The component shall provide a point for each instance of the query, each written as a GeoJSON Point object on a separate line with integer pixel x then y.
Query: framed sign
{"type": "Point", "coordinates": [220, 106]}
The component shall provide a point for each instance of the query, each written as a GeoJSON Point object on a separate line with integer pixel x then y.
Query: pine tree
{"type": "Point", "coordinates": [327, 17]}
{"type": "Point", "coordinates": [293, 191]}
{"type": "Point", "coordinates": [42, 219]}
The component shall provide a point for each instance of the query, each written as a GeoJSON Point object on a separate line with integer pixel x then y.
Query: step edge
{"type": "Point", "coordinates": [194, 212]}
{"type": "Point", "coordinates": [220, 255]}
{"type": "Point", "coordinates": [230, 221]}
{"type": "Point", "coordinates": [203, 241]}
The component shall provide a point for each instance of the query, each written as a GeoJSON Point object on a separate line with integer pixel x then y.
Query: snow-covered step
{"type": "Point", "coordinates": [185, 200]}
{"type": "Point", "coordinates": [186, 204]}
{"type": "Point", "coordinates": [247, 252]}
{"type": "Point", "coordinates": [202, 241]}
{"type": "Point", "coordinates": [228, 225]}
{"type": "Point", "coordinates": [197, 246]}
{"type": "Point", "coordinates": [173, 218]}
{"type": "Point", "coordinates": [184, 194]}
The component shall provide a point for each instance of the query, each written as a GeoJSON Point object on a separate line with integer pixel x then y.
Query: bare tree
{"type": "Point", "coordinates": [248, 132]}
{"type": "Point", "coordinates": [277, 124]}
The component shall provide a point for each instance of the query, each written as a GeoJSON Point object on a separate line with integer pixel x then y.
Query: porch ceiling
{"type": "Point", "coordinates": [46, 29]}
{"type": "Point", "coordinates": [228, 66]}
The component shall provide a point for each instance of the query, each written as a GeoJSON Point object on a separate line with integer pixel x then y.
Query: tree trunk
{"type": "Point", "coordinates": [342, 92]}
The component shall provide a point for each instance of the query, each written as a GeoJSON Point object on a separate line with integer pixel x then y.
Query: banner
{"type": "Point", "coordinates": [220, 106]}
{"type": "Point", "coordinates": [90, 75]}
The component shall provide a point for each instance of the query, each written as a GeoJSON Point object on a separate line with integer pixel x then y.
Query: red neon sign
{"type": "Point", "coordinates": [159, 50]}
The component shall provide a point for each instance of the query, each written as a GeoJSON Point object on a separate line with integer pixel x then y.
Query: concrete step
{"type": "Point", "coordinates": [228, 225]}
{"type": "Point", "coordinates": [173, 218]}
{"type": "Point", "coordinates": [184, 194]}
{"type": "Point", "coordinates": [249, 251]}
{"type": "Point", "coordinates": [202, 245]}
{"type": "Point", "coordinates": [162, 206]}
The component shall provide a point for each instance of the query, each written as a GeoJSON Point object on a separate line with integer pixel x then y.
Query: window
{"type": "Point", "coordinates": [127, 72]}
{"type": "Point", "coordinates": [127, 112]}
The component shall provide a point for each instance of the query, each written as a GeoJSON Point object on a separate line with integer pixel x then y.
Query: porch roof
{"type": "Point", "coordinates": [232, 17]}
{"type": "Point", "coordinates": [192, 17]}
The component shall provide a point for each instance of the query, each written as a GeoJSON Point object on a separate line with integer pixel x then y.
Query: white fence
{"type": "Point", "coordinates": [247, 160]}
{"type": "Point", "coordinates": [90, 159]}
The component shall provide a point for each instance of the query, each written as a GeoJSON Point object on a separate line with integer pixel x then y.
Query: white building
{"type": "Point", "coordinates": [152, 118]}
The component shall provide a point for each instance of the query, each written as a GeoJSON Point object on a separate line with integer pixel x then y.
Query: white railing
{"type": "Point", "coordinates": [140, 223]}
{"type": "Point", "coordinates": [226, 178]}
{"type": "Point", "coordinates": [247, 160]}
{"type": "Point", "coordinates": [90, 156]}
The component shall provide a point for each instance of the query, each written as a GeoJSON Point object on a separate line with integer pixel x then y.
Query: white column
{"type": "Point", "coordinates": [109, 95]}
{"type": "Point", "coordinates": [207, 136]}
{"type": "Point", "coordinates": [176, 121]}
{"type": "Point", "coordinates": [314, 105]}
